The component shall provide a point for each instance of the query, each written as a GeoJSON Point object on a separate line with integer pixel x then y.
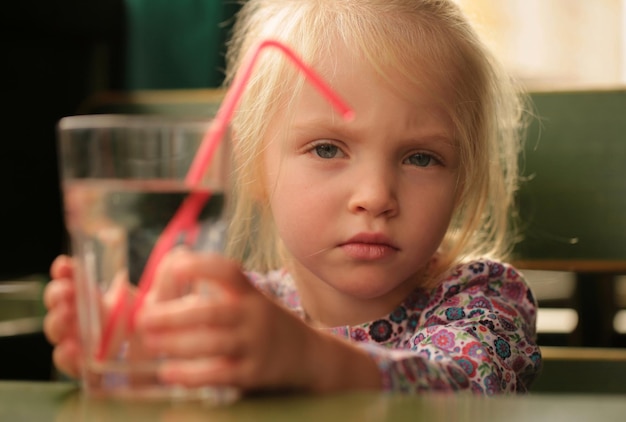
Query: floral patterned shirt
{"type": "Point", "coordinates": [475, 331]}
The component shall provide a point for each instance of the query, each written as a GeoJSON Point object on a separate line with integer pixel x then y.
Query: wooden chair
{"type": "Point", "coordinates": [25, 353]}
{"type": "Point", "coordinates": [582, 370]}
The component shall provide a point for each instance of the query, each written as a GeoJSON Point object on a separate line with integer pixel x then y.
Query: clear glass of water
{"type": "Point", "coordinates": [123, 180]}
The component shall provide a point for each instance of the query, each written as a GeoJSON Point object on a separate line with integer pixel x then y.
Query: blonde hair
{"type": "Point", "coordinates": [401, 35]}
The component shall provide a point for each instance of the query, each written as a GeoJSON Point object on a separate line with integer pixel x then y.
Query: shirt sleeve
{"type": "Point", "coordinates": [477, 333]}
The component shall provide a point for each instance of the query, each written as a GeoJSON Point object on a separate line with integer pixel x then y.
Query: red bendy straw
{"type": "Point", "coordinates": [189, 210]}
{"type": "Point", "coordinates": [226, 110]}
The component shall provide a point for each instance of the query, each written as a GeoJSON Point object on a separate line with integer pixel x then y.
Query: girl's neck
{"type": "Point", "coordinates": [325, 306]}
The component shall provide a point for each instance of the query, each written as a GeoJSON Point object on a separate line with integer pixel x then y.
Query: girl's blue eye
{"type": "Point", "coordinates": [421, 160]}
{"type": "Point", "coordinates": [326, 150]}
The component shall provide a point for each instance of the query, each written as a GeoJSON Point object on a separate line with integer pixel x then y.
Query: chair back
{"type": "Point", "coordinates": [573, 204]}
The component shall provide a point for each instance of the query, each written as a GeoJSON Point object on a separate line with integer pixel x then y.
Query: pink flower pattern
{"type": "Point", "coordinates": [475, 331]}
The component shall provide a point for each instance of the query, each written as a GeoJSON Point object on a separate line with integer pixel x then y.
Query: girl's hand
{"type": "Point", "coordinates": [236, 336]}
{"type": "Point", "coordinates": [60, 322]}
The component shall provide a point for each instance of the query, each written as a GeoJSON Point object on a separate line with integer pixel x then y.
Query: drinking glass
{"type": "Point", "coordinates": [123, 181]}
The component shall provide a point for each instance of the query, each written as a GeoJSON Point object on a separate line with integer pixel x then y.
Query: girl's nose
{"type": "Point", "coordinates": [375, 193]}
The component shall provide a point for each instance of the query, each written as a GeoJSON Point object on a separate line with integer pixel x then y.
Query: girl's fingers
{"type": "Point", "coordinates": [195, 342]}
{"type": "Point", "coordinates": [67, 358]}
{"type": "Point", "coordinates": [163, 286]}
{"type": "Point", "coordinates": [58, 291]}
{"type": "Point", "coordinates": [188, 311]}
{"type": "Point", "coordinates": [62, 267]}
{"type": "Point", "coordinates": [180, 271]}
{"type": "Point", "coordinates": [212, 267]}
{"type": "Point", "coordinates": [60, 323]}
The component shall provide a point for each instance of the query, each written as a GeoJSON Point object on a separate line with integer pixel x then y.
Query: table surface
{"type": "Point", "coordinates": [60, 402]}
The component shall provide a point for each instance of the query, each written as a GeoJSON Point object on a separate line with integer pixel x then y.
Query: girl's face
{"type": "Point", "coordinates": [361, 206]}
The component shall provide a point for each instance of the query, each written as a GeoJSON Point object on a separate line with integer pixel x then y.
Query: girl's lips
{"type": "Point", "coordinates": [369, 247]}
{"type": "Point", "coordinates": [368, 251]}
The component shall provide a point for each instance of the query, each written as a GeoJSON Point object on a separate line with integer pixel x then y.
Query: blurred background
{"type": "Point", "coordinates": [556, 43]}
{"type": "Point", "coordinates": [61, 54]}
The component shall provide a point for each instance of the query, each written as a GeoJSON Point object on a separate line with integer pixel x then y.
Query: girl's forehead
{"type": "Point", "coordinates": [405, 73]}
{"type": "Point", "coordinates": [360, 79]}
{"type": "Point", "coordinates": [382, 110]}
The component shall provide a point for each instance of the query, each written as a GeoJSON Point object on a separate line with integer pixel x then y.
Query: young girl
{"type": "Point", "coordinates": [371, 249]}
